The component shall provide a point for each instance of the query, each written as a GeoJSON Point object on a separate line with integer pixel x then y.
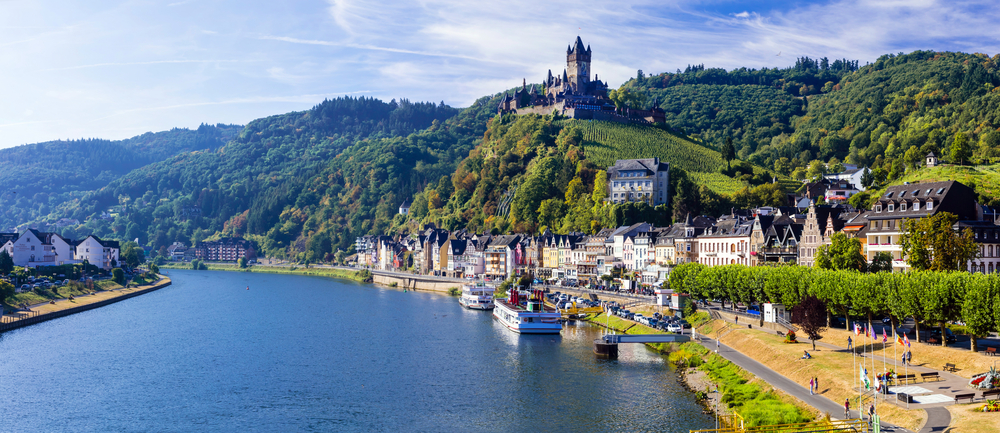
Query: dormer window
{"type": "Point", "coordinates": [891, 207]}
{"type": "Point", "coordinates": [902, 207]}
{"type": "Point", "coordinates": [930, 204]}
{"type": "Point", "coordinates": [878, 208]}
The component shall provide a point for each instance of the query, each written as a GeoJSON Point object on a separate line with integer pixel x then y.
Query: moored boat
{"type": "Point", "coordinates": [526, 313]}
{"type": "Point", "coordinates": [477, 296]}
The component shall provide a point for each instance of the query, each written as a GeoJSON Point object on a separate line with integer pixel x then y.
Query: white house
{"type": "Point", "coordinates": [33, 248]}
{"type": "Point", "coordinates": [851, 175]}
{"type": "Point", "coordinates": [100, 253]}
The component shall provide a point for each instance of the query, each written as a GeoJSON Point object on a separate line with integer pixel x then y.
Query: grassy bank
{"type": "Point", "coordinates": [72, 296]}
{"type": "Point", "coordinates": [741, 392]}
{"type": "Point", "coordinates": [834, 368]}
{"type": "Point", "coordinates": [359, 276]}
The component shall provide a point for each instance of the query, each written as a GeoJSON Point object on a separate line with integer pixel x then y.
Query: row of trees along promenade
{"type": "Point", "coordinates": [926, 296]}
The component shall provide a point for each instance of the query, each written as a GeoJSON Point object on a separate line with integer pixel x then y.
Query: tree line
{"type": "Point", "coordinates": [926, 296]}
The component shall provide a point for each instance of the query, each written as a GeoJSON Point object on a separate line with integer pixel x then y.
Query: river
{"type": "Point", "coordinates": [297, 353]}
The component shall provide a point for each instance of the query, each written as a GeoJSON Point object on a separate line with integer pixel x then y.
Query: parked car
{"type": "Point", "coordinates": [675, 328]}
{"type": "Point", "coordinates": [684, 324]}
{"type": "Point", "coordinates": [949, 336]}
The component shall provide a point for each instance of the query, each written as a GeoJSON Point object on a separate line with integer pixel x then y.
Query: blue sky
{"type": "Point", "coordinates": [117, 69]}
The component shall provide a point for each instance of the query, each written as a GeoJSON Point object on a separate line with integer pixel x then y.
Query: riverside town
{"type": "Point", "coordinates": [713, 219]}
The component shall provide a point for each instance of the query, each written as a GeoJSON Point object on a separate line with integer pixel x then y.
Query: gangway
{"type": "Point", "coordinates": [607, 346]}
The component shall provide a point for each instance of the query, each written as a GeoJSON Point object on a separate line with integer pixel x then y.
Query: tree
{"type": "Point", "coordinates": [118, 276]}
{"type": "Point", "coordinates": [882, 262]}
{"type": "Point", "coordinates": [816, 170]}
{"type": "Point", "coordinates": [6, 263]}
{"type": "Point", "coordinates": [960, 149]}
{"type": "Point", "coordinates": [154, 268]}
{"type": "Point", "coordinates": [242, 262]}
{"type": "Point", "coordinates": [810, 315]}
{"type": "Point", "coordinates": [132, 254]}
{"type": "Point", "coordinates": [600, 187]}
{"type": "Point", "coordinates": [931, 243]}
{"type": "Point", "coordinates": [867, 178]}
{"type": "Point", "coordinates": [843, 253]}
{"type": "Point", "coordinates": [728, 152]}
{"type": "Point", "coordinates": [977, 310]}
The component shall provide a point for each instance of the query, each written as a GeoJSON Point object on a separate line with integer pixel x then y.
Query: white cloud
{"type": "Point", "coordinates": [114, 71]}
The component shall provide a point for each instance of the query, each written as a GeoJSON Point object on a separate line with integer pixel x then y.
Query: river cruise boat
{"type": "Point", "coordinates": [477, 296]}
{"type": "Point", "coordinates": [526, 313]}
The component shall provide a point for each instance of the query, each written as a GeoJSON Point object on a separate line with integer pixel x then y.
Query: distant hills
{"type": "Point", "coordinates": [305, 184]}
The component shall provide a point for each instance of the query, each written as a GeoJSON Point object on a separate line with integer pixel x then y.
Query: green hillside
{"type": "Point", "coordinates": [39, 177]}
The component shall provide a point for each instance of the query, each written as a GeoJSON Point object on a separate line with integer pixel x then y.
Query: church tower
{"type": "Point", "coordinates": [578, 66]}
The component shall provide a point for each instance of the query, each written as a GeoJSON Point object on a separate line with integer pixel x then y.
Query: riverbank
{"type": "Point", "coordinates": [289, 270]}
{"type": "Point", "coordinates": [388, 279]}
{"type": "Point", "coordinates": [64, 307]}
{"type": "Point", "coordinates": [720, 385]}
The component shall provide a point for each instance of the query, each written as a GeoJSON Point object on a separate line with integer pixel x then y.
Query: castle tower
{"type": "Point", "coordinates": [578, 66]}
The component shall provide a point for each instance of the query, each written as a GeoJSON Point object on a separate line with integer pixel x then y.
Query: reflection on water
{"type": "Point", "coordinates": [314, 354]}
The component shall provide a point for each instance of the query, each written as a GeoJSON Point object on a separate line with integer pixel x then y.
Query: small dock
{"type": "Point", "coordinates": [607, 346]}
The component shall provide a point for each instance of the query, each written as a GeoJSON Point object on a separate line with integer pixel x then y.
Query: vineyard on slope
{"type": "Point", "coordinates": [605, 142]}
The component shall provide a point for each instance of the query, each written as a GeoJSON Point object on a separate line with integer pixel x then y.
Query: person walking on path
{"type": "Point", "coordinates": [816, 382]}
{"type": "Point", "coordinates": [909, 357]}
{"type": "Point", "coordinates": [737, 320]}
{"type": "Point", "coordinates": [850, 343]}
{"type": "Point", "coordinates": [903, 358]}
{"type": "Point", "coordinates": [847, 408]}
{"type": "Point", "coordinates": [812, 384]}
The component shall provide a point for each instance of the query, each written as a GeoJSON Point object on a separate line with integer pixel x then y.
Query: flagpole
{"type": "Point", "coordinates": [854, 357]}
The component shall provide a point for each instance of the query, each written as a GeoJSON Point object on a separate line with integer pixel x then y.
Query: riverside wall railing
{"type": "Point", "coordinates": [32, 317]}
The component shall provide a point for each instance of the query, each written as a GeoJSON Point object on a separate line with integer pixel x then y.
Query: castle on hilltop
{"type": "Point", "coordinates": [574, 95]}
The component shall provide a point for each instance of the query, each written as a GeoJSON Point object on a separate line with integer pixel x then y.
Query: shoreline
{"type": "Point", "coordinates": [384, 279]}
{"type": "Point", "coordinates": [65, 307]}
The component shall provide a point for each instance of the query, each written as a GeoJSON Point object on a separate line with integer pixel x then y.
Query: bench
{"type": "Point", "coordinates": [970, 396]}
{"type": "Point", "coordinates": [991, 351]}
{"type": "Point", "coordinates": [925, 376]}
{"type": "Point", "coordinates": [949, 367]}
{"type": "Point", "coordinates": [902, 378]}
{"type": "Point", "coordinates": [988, 394]}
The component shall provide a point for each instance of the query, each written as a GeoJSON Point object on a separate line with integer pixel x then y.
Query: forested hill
{"type": "Point", "coordinates": [313, 179]}
{"type": "Point", "coordinates": [886, 115]}
{"type": "Point", "coordinates": [35, 178]}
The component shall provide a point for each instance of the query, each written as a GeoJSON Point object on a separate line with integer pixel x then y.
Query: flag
{"type": "Point", "coordinates": [864, 378]}
{"type": "Point", "coordinates": [885, 337]}
{"type": "Point", "coordinates": [868, 330]}
{"type": "Point", "coordinates": [857, 330]}
{"type": "Point", "coordinates": [906, 341]}
{"type": "Point", "coordinates": [899, 339]}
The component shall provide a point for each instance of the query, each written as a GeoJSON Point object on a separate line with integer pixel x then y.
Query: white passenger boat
{"type": "Point", "coordinates": [477, 296]}
{"type": "Point", "coordinates": [526, 313]}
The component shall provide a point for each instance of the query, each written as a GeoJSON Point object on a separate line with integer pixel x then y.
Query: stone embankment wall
{"type": "Point", "coordinates": [416, 282]}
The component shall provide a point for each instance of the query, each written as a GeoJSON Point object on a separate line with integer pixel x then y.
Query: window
{"type": "Point", "coordinates": [891, 206]}
{"type": "Point", "coordinates": [915, 192]}
{"type": "Point", "coordinates": [902, 207]}
{"type": "Point", "coordinates": [930, 205]}
{"type": "Point", "coordinates": [902, 194]}
{"type": "Point", "coordinates": [878, 208]}
{"type": "Point", "coordinates": [888, 194]}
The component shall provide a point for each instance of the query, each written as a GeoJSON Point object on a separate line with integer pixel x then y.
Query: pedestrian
{"type": "Point", "coordinates": [847, 408]}
{"type": "Point", "coordinates": [903, 358]}
{"type": "Point", "coordinates": [737, 320]}
{"type": "Point", "coordinates": [871, 414]}
{"type": "Point", "coordinates": [816, 379]}
{"type": "Point", "coordinates": [850, 343]}
{"type": "Point", "coordinates": [717, 346]}
{"type": "Point", "coordinates": [811, 385]}
{"type": "Point", "coordinates": [909, 357]}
